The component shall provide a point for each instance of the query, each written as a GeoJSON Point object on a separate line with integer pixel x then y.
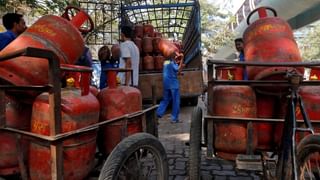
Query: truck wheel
{"type": "Point", "coordinates": [139, 156]}
{"type": "Point", "coordinates": [195, 144]}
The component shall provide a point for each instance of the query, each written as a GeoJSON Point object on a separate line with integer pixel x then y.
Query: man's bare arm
{"type": "Point", "coordinates": [128, 65]}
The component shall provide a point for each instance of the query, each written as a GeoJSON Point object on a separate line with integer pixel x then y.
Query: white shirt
{"type": "Point", "coordinates": [130, 50]}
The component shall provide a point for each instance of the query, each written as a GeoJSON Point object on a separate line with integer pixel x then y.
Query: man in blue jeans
{"type": "Point", "coordinates": [171, 69]}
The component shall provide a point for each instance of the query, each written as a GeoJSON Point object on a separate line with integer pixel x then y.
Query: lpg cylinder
{"type": "Point", "coordinates": [158, 62]}
{"type": "Point", "coordinates": [147, 45]}
{"type": "Point", "coordinates": [141, 64]}
{"type": "Point", "coordinates": [229, 73]}
{"type": "Point", "coordinates": [18, 116]}
{"type": "Point", "coordinates": [78, 110]}
{"type": "Point", "coordinates": [116, 101]}
{"type": "Point", "coordinates": [138, 42]}
{"type": "Point", "coordinates": [155, 44]}
{"type": "Point", "coordinates": [265, 130]}
{"type": "Point", "coordinates": [49, 32]}
{"type": "Point", "coordinates": [280, 113]}
{"type": "Point", "coordinates": [233, 101]}
{"type": "Point", "coordinates": [311, 99]}
{"type": "Point", "coordinates": [167, 48]}
{"type": "Point", "coordinates": [314, 73]}
{"type": "Point", "coordinates": [269, 39]}
{"type": "Point", "coordinates": [148, 63]}
{"type": "Point", "coordinates": [94, 90]}
{"type": "Point", "coordinates": [138, 30]}
{"type": "Point", "coordinates": [148, 30]}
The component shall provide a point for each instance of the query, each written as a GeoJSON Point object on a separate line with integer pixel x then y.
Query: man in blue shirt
{"type": "Point", "coordinates": [240, 48]}
{"type": "Point", "coordinates": [171, 69]}
{"type": "Point", "coordinates": [15, 25]}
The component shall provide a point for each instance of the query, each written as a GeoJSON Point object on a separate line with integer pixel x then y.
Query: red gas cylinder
{"type": "Point", "coordinates": [116, 101]}
{"type": "Point", "coordinates": [138, 42]}
{"type": "Point", "coordinates": [94, 90]}
{"type": "Point", "coordinates": [78, 110]}
{"type": "Point", "coordinates": [233, 101]}
{"type": "Point", "coordinates": [115, 51]}
{"type": "Point", "coordinates": [265, 131]}
{"type": "Point", "coordinates": [49, 32]}
{"type": "Point", "coordinates": [155, 44]}
{"type": "Point", "coordinates": [148, 30]}
{"type": "Point", "coordinates": [229, 73]}
{"type": "Point", "coordinates": [311, 99]}
{"type": "Point", "coordinates": [280, 113]}
{"type": "Point", "coordinates": [158, 62]}
{"type": "Point", "coordinates": [269, 39]}
{"type": "Point", "coordinates": [18, 116]}
{"type": "Point", "coordinates": [167, 48]}
{"type": "Point", "coordinates": [314, 73]}
{"type": "Point", "coordinates": [178, 44]}
{"type": "Point", "coordinates": [147, 45]}
{"type": "Point", "coordinates": [141, 64]}
{"type": "Point", "coordinates": [148, 63]}
{"type": "Point", "coordinates": [138, 30]}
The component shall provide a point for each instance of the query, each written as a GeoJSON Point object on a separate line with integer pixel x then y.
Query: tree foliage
{"type": "Point", "coordinates": [309, 45]}
{"type": "Point", "coordinates": [215, 30]}
{"type": "Point", "coordinates": [35, 7]}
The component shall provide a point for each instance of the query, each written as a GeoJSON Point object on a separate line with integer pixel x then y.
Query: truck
{"type": "Point", "coordinates": [178, 21]}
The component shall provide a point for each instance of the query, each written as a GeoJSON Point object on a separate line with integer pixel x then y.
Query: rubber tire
{"type": "Point", "coordinates": [307, 146]}
{"type": "Point", "coordinates": [195, 144]}
{"type": "Point", "coordinates": [128, 146]}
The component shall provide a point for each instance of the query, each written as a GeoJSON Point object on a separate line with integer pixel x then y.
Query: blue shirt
{"type": "Point", "coordinates": [103, 76]}
{"type": "Point", "coordinates": [6, 38]}
{"type": "Point", "coordinates": [245, 74]}
{"type": "Point", "coordinates": [170, 75]}
{"type": "Point", "coordinates": [85, 59]}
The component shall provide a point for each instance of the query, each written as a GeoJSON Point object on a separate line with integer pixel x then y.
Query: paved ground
{"type": "Point", "coordinates": [174, 137]}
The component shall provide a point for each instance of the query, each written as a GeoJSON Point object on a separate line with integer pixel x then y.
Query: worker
{"type": "Point", "coordinates": [106, 62]}
{"type": "Point", "coordinates": [15, 25]}
{"type": "Point", "coordinates": [86, 58]}
{"type": "Point", "coordinates": [171, 92]}
{"type": "Point", "coordinates": [240, 48]}
{"type": "Point", "coordinates": [130, 57]}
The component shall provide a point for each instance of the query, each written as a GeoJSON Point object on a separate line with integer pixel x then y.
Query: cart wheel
{"type": "Point", "coordinates": [195, 144]}
{"type": "Point", "coordinates": [138, 157]}
{"type": "Point", "coordinates": [308, 157]}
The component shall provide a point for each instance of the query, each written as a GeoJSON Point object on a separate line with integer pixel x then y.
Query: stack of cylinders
{"type": "Point", "coordinates": [148, 41]}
